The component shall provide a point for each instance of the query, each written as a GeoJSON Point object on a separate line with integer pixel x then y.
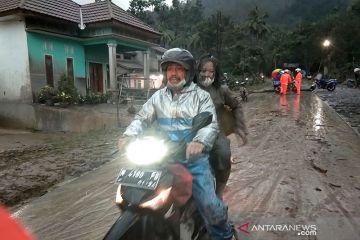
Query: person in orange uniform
{"type": "Point", "coordinates": [298, 79]}
{"type": "Point", "coordinates": [285, 79]}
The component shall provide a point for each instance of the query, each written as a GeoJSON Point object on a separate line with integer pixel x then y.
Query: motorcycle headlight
{"type": "Point", "coordinates": [145, 151]}
{"type": "Point", "coordinates": [157, 201]}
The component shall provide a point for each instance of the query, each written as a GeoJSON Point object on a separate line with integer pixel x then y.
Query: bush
{"type": "Point", "coordinates": [96, 98]}
{"type": "Point", "coordinates": [63, 97]}
{"type": "Point", "coordinates": [67, 94]}
{"type": "Point", "coordinates": [67, 91]}
{"type": "Point", "coordinates": [47, 93]}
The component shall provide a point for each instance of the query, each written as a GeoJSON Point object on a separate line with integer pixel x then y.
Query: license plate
{"type": "Point", "coordinates": [148, 179]}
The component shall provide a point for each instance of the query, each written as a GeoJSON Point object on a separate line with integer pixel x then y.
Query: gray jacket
{"type": "Point", "coordinates": [174, 115]}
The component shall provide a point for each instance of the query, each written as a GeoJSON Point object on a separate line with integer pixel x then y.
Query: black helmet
{"type": "Point", "coordinates": [179, 56]}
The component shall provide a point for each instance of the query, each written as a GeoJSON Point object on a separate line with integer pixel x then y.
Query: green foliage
{"type": "Point", "coordinates": [96, 98]}
{"type": "Point", "coordinates": [67, 94]}
{"type": "Point", "coordinates": [47, 93]}
{"type": "Point", "coordinates": [67, 91]}
{"type": "Point", "coordinates": [248, 40]}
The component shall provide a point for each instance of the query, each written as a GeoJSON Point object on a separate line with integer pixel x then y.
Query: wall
{"type": "Point", "coordinates": [17, 115]}
{"type": "Point", "coordinates": [53, 119]}
{"type": "Point", "coordinates": [72, 119]}
{"type": "Point", "coordinates": [14, 65]}
{"type": "Point", "coordinates": [60, 49]}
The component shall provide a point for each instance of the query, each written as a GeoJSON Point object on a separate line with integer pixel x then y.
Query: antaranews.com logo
{"type": "Point", "coordinates": [299, 229]}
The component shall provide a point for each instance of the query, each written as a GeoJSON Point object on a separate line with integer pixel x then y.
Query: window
{"type": "Point", "coordinates": [49, 70]}
{"type": "Point", "coordinates": [70, 67]}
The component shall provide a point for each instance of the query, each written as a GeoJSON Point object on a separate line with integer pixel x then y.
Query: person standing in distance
{"type": "Point", "coordinates": [298, 79]}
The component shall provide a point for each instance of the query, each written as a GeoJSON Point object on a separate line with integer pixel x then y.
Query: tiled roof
{"type": "Point", "coordinates": [69, 10]}
{"type": "Point", "coordinates": [106, 10]}
{"type": "Point", "coordinates": [130, 65]}
{"type": "Point", "coordinates": [64, 9]}
{"type": "Point", "coordinates": [9, 5]}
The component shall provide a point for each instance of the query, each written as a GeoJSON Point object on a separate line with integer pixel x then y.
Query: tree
{"type": "Point", "coordinates": [256, 25]}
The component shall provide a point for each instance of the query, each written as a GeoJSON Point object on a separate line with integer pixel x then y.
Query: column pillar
{"type": "Point", "coordinates": [112, 65]}
{"type": "Point", "coordinates": [147, 67]}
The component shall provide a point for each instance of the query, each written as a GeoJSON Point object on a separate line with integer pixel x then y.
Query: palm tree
{"type": "Point", "coordinates": [256, 25]}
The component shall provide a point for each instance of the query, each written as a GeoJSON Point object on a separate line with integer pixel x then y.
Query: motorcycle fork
{"type": "Point", "coordinates": [146, 227]}
{"type": "Point", "coordinates": [158, 228]}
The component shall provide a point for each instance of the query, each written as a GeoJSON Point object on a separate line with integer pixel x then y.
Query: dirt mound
{"type": "Point", "coordinates": [31, 163]}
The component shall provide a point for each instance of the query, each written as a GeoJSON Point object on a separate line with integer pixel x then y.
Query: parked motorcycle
{"type": "Point", "coordinates": [154, 194]}
{"type": "Point", "coordinates": [329, 84]}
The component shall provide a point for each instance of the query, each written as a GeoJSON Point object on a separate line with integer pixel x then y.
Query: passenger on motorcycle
{"type": "Point", "coordinates": [220, 155]}
{"type": "Point", "coordinates": [173, 108]}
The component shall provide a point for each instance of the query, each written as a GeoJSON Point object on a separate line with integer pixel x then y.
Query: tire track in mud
{"type": "Point", "coordinates": [89, 214]}
{"type": "Point", "coordinates": [318, 151]}
{"type": "Point", "coordinates": [256, 205]}
{"type": "Point", "coordinates": [330, 202]}
{"type": "Point", "coordinates": [278, 180]}
{"type": "Point", "coordinates": [348, 216]}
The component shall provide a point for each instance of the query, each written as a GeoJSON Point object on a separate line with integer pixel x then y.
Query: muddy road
{"type": "Point", "coordinates": [31, 163]}
{"type": "Point", "coordinates": [301, 168]}
{"type": "Point", "coordinates": [297, 178]}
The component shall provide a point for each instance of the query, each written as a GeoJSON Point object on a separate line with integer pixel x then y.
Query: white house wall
{"type": "Point", "coordinates": [14, 62]}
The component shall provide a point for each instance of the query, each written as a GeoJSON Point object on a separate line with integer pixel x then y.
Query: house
{"type": "Point", "coordinates": [134, 74]}
{"type": "Point", "coordinates": [40, 40]}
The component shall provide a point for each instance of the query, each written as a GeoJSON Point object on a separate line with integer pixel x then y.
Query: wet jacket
{"type": "Point", "coordinates": [285, 79]}
{"type": "Point", "coordinates": [174, 115]}
{"type": "Point", "coordinates": [298, 78]}
{"type": "Point", "coordinates": [227, 106]}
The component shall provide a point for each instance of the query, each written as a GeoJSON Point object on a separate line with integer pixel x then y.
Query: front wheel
{"type": "Point", "coordinates": [331, 87]}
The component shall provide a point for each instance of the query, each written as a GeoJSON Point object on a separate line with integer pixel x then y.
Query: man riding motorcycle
{"type": "Point", "coordinates": [173, 107]}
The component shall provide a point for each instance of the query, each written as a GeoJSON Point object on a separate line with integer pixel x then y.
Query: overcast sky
{"type": "Point", "coordinates": [124, 4]}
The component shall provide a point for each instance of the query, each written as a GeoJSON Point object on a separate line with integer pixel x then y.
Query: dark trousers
{"type": "Point", "coordinates": [220, 160]}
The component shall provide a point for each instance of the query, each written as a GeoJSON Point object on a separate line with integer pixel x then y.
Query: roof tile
{"type": "Point", "coordinates": [9, 5]}
{"type": "Point", "coordinates": [69, 10]}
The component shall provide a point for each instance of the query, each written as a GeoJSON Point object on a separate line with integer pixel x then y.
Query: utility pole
{"type": "Point", "coordinates": [219, 31]}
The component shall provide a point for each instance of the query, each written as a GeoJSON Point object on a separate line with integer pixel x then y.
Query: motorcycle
{"type": "Point", "coordinates": [329, 84]}
{"type": "Point", "coordinates": [154, 194]}
{"type": "Point", "coordinates": [276, 85]}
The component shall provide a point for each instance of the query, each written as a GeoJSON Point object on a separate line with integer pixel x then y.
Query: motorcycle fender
{"type": "Point", "coordinates": [182, 185]}
{"type": "Point", "coordinates": [121, 226]}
